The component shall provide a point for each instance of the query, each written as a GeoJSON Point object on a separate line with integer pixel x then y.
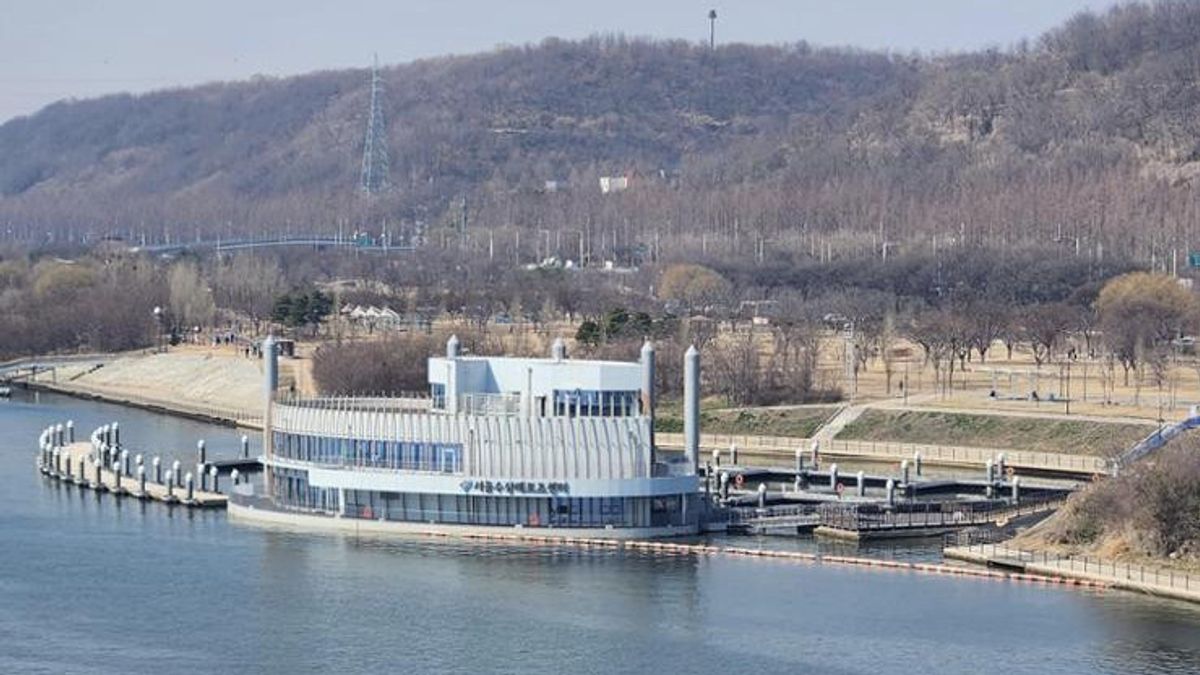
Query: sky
{"type": "Point", "coordinates": [58, 49]}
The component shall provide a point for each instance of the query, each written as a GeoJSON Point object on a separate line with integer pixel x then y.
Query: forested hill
{"type": "Point", "coordinates": [1091, 130]}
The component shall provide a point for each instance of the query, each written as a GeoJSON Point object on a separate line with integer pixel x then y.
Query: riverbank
{"type": "Point", "coordinates": [1139, 578]}
{"type": "Point", "coordinates": [210, 384]}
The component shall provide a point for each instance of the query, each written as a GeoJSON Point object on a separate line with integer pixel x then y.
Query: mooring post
{"type": "Point", "coordinates": [157, 469]}
{"type": "Point", "coordinates": [234, 476]}
{"type": "Point", "coordinates": [216, 486]}
{"type": "Point", "coordinates": [125, 463]}
{"type": "Point", "coordinates": [891, 492]}
{"type": "Point", "coordinates": [116, 435]}
{"type": "Point", "coordinates": [191, 486]}
{"type": "Point", "coordinates": [904, 471]}
{"type": "Point", "coordinates": [70, 431]}
{"type": "Point", "coordinates": [98, 485]}
{"type": "Point", "coordinates": [833, 475]}
{"type": "Point", "coordinates": [67, 467]}
{"type": "Point", "coordinates": [116, 469]}
{"type": "Point", "coordinates": [60, 434]}
{"type": "Point", "coordinates": [202, 471]}
{"type": "Point", "coordinates": [141, 476]}
{"type": "Point", "coordinates": [200, 459]}
{"type": "Point", "coordinates": [54, 461]}
{"type": "Point", "coordinates": [170, 485]}
{"type": "Point", "coordinates": [862, 484]}
{"type": "Point", "coordinates": [917, 462]}
{"type": "Point", "coordinates": [762, 495]}
{"type": "Point", "coordinates": [1016, 490]}
{"type": "Point", "coordinates": [724, 485]}
{"type": "Point", "coordinates": [245, 447]}
{"type": "Point", "coordinates": [175, 471]}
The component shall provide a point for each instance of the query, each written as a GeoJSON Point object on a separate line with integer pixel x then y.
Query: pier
{"type": "Point", "coordinates": [102, 464]}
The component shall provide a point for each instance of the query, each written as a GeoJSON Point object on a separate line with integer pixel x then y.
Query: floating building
{"type": "Point", "coordinates": [559, 445]}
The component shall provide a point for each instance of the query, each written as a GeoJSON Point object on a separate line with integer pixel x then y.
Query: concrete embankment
{"type": "Point", "coordinates": [1147, 579]}
{"type": "Point", "coordinates": [209, 384]}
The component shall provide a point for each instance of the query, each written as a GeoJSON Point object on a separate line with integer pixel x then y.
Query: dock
{"type": "Point", "coordinates": [102, 467]}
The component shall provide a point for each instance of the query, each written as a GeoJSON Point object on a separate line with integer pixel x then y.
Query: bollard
{"type": "Point", "coordinates": [202, 471]}
{"type": "Point", "coordinates": [724, 485]}
{"type": "Point", "coordinates": [216, 486]}
{"type": "Point", "coordinates": [116, 469]}
{"type": "Point", "coordinates": [103, 435]}
{"type": "Point", "coordinates": [67, 467]}
{"type": "Point", "coordinates": [1016, 490]}
{"type": "Point", "coordinates": [762, 495]}
{"type": "Point", "coordinates": [157, 470]}
{"type": "Point", "coordinates": [904, 471]}
{"type": "Point", "coordinates": [245, 447]}
{"type": "Point", "coordinates": [733, 458]}
{"type": "Point", "coordinates": [170, 486]}
{"type": "Point", "coordinates": [59, 434]}
{"type": "Point", "coordinates": [175, 467]}
{"type": "Point", "coordinates": [917, 462]}
{"type": "Point", "coordinates": [833, 475]}
{"type": "Point", "coordinates": [116, 434]}
{"type": "Point", "coordinates": [233, 475]}
{"type": "Point", "coordinates": [70, 431]}
{"type": "Point", "coordinates": [138, 460]}
{"type": "Point", "coordinates": [55, 466]}
{"type": "Point", "coordinates": [891, 492]}
{"type": "Point", "coordinates": [200, 452]}
{"type": "Point", "coordinates": [98, 485]}
{"type": "Point", "coordinates": [125, 463]}
{"type": "Point", "coordinates": [141, 471]}
{"type": "Point", "coordinates": [862, 484]}
{"type": "Point", "coordinates": [716, 458]}
{"type": "Point", "coordinates": [191, 487]}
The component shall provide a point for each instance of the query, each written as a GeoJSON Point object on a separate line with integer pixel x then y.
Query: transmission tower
{"type": "Point", "coordinates": [375, 153]}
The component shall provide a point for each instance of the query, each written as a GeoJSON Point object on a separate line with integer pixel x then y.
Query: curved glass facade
{"type": "Point", "coordinates": [290, 489]}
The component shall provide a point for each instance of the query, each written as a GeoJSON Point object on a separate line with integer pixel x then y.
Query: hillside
{"type": "Point", "coordinates": [1088, 136]}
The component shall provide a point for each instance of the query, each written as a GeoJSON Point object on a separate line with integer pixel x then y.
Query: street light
{"type": "Point", "coordinates": [712, 29]}
{"type": "Point", "coordinates": [158, 323]}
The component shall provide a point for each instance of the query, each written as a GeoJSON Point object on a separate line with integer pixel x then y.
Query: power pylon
{"type": "Point", "coordinates": [375, 153]}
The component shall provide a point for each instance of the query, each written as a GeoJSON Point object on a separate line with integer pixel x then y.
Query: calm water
{"type": "Point", "coordinates": [92, 585]}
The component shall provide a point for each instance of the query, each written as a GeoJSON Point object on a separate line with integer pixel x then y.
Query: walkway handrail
{"type": "Point", "coordinates": [1137, 573]}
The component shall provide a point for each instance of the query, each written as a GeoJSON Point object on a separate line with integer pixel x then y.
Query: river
{"type": "Point", "coordinates": [89, 584]}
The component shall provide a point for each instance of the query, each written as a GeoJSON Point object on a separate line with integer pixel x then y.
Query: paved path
{"type": "Point", "coordinates": [1149, 579]}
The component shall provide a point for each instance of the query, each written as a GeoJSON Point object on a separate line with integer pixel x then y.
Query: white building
{"type": "Point", "coordinates": [560, 445]}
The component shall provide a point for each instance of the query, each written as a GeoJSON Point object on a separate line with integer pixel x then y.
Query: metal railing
{"type": "Point", "coordinates": [414, 402]}
{"type": "Point", "coordinates": [930, 515]}
{"type": "Point", "coordinates": [1137, 573]}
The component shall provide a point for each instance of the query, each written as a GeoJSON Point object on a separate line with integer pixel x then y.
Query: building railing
{"type": "Point", "coordinates": [406, 402]}
{"type": "Point", "coordinates": [1138, 573]}
{"type": "Point", "coordinates": [489, 404]}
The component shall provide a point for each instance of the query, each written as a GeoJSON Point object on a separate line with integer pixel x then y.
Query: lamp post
{"type": "Point", "coordinates": [712, 29]}
{"type": "Point", "coordinates": [158, 324]}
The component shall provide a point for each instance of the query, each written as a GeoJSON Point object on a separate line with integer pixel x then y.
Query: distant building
{"type": "Point", "coordinates": [611, 184]}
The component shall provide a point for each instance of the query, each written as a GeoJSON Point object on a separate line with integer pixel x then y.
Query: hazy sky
{"type": "Point", "coordinates": [55, 49]}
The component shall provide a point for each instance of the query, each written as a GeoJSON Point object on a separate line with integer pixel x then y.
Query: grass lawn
{"type": "Point", "coordinates": [795, 422]}
{"type": "Point", "coordinates": [995, 431]}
